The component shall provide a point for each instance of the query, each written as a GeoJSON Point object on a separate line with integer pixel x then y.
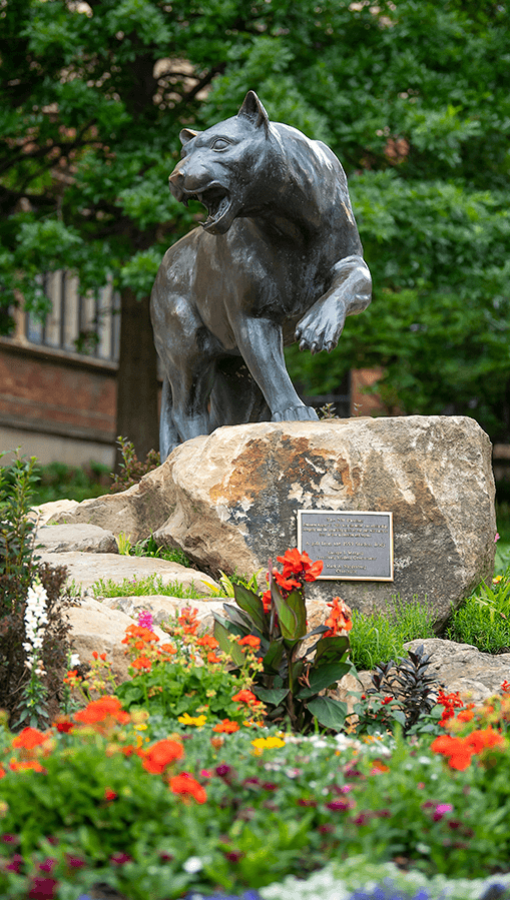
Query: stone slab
{"type": "Point", "coordinates": [86, 568]}
{"type": "Point", "coordinates": [163, 608]}
{"type": "Point", "coordinates": [235, 495]}
{"type": "Point", "coordinates": [71, 538]}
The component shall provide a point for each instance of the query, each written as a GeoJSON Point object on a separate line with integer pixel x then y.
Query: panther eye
{"type": "Point", "coordinates": [220, 144]}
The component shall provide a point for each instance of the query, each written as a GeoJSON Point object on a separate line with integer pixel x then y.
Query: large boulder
{"type": "Point", "coordinates": [236, 494]}
{"type": "Point", "coordinates": [463, 668]}
{"type": "Point", "coordinates": [70, 538]}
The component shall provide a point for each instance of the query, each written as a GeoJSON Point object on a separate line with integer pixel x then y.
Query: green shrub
{"type": "Point", "coordinates": [378, 637]}
{"type": "Point", "coordinates": [58, 481]}
{"type": "Point", "coordinates": [483, 620]}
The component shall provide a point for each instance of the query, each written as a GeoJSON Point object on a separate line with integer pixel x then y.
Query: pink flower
{"type": "Point", "coordinates": [145, 620]}
{"type": "Point", "coordinates": [441, 810]}
{"type": "Point", "coordinates": [496, 539]}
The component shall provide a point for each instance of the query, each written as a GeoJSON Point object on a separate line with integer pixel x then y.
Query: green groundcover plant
{"type": "Point", "coordinates": [94, 799]}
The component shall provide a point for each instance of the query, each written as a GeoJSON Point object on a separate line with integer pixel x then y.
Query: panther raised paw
{"type": "Point", "coordinates": [296, 414]}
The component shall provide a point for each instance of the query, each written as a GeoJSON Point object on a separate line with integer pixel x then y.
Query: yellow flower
{"type": "Point", "coordinates": [142, 727]}
{"type": "Point", "coordinates": [268, 743]}
{"type": "Point", "coordinates": [186, 719]}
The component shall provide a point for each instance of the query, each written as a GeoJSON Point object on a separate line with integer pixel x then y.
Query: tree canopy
{"type": "Point", "coordinates": [412, 96]}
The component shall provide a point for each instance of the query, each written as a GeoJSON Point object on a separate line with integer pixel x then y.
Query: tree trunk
{"type": "Point", "coordinates": [137, 384]}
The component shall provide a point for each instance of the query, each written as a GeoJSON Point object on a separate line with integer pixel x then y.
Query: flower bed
{"type": "Point", "coordinates": [191, 782]}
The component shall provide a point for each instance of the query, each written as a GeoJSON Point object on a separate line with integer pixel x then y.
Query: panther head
{"type": "Point", "coordinates": [225, 166]}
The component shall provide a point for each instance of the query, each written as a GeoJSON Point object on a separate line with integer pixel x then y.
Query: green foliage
{"type": "Point", "coordinates": [483, 620]}
{"type": "Point", "coordinates": [144, 587]}
{"type": "Point", "coordinates": [58, 481]}
{"type": "Point", "coordinates": [380, 636]}
{"type": "Point", "coordinates": [150, 548]}
{"type": "Point", "coordinates": [132, 469]}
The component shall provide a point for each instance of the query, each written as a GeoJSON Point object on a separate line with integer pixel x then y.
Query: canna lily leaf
{"type": "Point", "coordinates": [330, 713]}
{"type": "Point", "coordinates": [252, 604]}
{"type": "Point", "coordinates": [273, 657]}
{"type": "Point", "coordinates": [222, 635]}
{"type": "Point", "coordinates": [271, 695]}
{"type": "Point", "coordinates": [296, 602]}
{"type": "Point", "coordinates": [331, 649]}
{"type": "Point", "coordinates": [323, 677]}
{"type": "Point", "coordinates": [286, 615]}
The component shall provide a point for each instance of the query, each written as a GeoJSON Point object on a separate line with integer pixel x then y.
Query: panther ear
{"type": "Point", "coordinates": [253, 110]}
{"type": "Point", "coordinates": [187, 134]}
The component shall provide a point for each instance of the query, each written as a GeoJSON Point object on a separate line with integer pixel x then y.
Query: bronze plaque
{"type": "Point", "coordinates": [354, 546]}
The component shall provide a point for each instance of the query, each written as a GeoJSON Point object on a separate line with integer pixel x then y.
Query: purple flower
{"type": "Point", "coordinates": [75, 862]}
{"type": "Point", "coordinates": [15, 863]}
{"type": "Point", "coordinates": [119, 859]}
{"type": "Point", "coordinates": [223, 770]}
{"type": "Point", "coordinates": [339, 805]}
{"type": "Point", "coordinates": [43, 889]}
{"type": "Point", "coordinates": [48, 865]}
{"type": "Point", "coordinates": [10, 838]}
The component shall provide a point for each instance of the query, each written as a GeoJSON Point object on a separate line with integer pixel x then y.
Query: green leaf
{"type": "Point", "coordinates": [271, 695]}
{"type": "Point", "coordinates": [331, 649]}
{"type": "Point", "coordinates": [222, 635]}
{"type": "Point", "coordinates": [286, 615]}
{"type": "Point", "coordinates": [399, 716]}
{"type": "Point", "coordinates": [273, 657]}
{"type": "Point", "coordinates": [326, 675]}
{"type": "Point", "coordinates": [330, 713]}
{"type": "Point", "coordinates": [296, 602]}
{"type": "Point", "coordinates": [252, 604]}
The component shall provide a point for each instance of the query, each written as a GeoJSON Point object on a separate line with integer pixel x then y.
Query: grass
{"type": "Point", "coordinates": [144, 587]}
{"type": "Point", "coordinates": [61, 482]}
{"type": "Point", "coordinates": [380, 636]}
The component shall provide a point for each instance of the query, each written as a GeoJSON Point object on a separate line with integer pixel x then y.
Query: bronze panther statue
{"type": "Point", "coordinates": [278, 259]}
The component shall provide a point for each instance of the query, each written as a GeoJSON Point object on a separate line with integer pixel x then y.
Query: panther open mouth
{"type": "Point", "coordinates": [218, 202]}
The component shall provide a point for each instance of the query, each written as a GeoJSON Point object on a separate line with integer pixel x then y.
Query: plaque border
{"type": "Point", "coordinates": [351, 512]}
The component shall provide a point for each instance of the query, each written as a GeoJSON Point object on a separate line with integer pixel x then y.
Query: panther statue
{"type": "Point", "coordinates": [278, 259]}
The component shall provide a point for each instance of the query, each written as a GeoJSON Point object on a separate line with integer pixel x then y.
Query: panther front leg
{"type": "Point", "coordinates": [260, 342]}
{"type": "Point", "coordinates": [350, 292]}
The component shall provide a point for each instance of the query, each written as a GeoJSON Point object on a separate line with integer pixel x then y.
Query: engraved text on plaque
{"type": "Point", "coordinates": [354, 546]}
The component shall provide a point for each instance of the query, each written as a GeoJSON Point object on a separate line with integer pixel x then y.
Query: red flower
{"type": "Point", "coordinates": [187, 785]}
{"type": "Point", "coordinates": [109, 795]}
{"type": "Point", "coordinates": [161, 755]}
{"type": "Point", "coordinates": [63, 724]}
{"type": "Point", "coordinates": [98, 711]}
{"type": "Point", "coordinates": [286, 584]}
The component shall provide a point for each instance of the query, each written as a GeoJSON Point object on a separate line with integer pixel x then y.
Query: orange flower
{"type": "Point", "coordinates": [161, 755]}
{"type": "Point", "coordinates": [217, 742]}
{"type": "Point", "coordinates": [246, 696]}
{"type": "Point", "coordinates": [485, 739]}
{"type": "Point", "coordinates": [188, 620]}
{"type": "Point", "coordinates": [139, 645]}
{"type": "Point", "coordinates": [226, 727]}
{"type": "Point", "coordinates": [465, 715]}
{"type": "Point", "coordinates": [444, 744]}
{"type": "Point", "coordinates": [102, 709]}
{"type": "Point", "coordinates": [339, 618]}
{"type": "Point", "coordinates": [168, 648]}
{"type": "Point", "coordinates": [207, 640]}
{"type": "Point", "coordinates": [142, 662]}
{"type": "Point", "coordinates": [296, 563]}
{"type": "Point", "coordinates": [27, 764]}
{"type": "Point", "coordinates": [138, 631]}
{"type": "Point", "coordinates": [29, 738]}
{"type": "Point", "coordinates": [212, 658]}
{"type": "Point", "coordinates": [186, 784]}
{"type": "Point", "coordinates": [266, 601]}
{"type": "Point", "coordinates": [249, 641]}
{"type": "Point", "coordinates": [71, 677]}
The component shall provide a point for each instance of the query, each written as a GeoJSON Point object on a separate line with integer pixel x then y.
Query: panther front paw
{"type": "Point", "coordinates": [296, 414]}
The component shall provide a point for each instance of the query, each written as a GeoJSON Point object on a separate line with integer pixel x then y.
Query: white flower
{"type": "Point", "coordinates": [74, 660]}
{"type": "Point", "coordinates": [424, 760]}
{"type": "Point", "coordinates": [192, 865]}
